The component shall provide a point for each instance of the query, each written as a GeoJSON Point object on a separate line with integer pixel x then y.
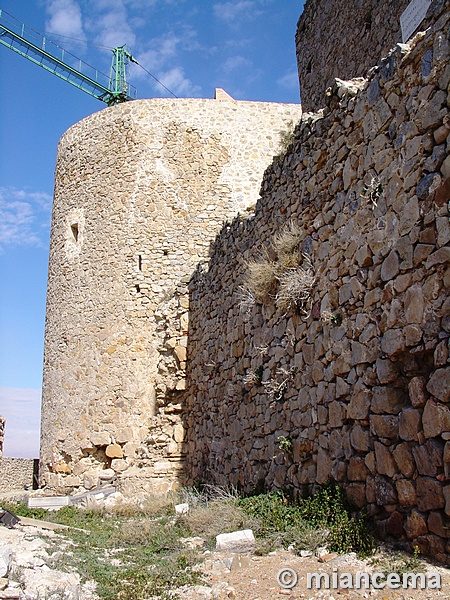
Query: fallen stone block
{"type": "Point", "coordinates": [182, 509]}
{"type": "Point", "coordinates": [238, 541]}
{"type": "Point", "coordinates": [5, 560]}
{"type": "Point", "coordinates": [48, 502]}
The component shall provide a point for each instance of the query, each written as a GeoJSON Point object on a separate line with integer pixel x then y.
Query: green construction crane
{"type": "Point", "coordinates": [34, 46]}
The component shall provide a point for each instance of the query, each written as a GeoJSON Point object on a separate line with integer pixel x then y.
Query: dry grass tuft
{"type": "Point", "coordinates": [287, 246]}
{"type": "Point", "coordinates": [295, 288]}
{"type": "Point", "coordinates": [261, 279]}
{"type": "Point", "coordinates": [218, 516]}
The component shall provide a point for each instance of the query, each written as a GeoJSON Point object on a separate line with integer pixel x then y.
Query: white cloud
{"type": "Point", "coordinates": [236, 62]}
{"type": "Point", "coordinates": [65, 19]}
{"type": "Point", "coordinates": [21, 408]}
{"type": "Point", "coordinates": [24, 217]}
{"type": "Point", "coordinates": [232, 11]}
{"type": "Point", "coordinates": [289, 81]}
{"type": "Point", "coordinates": [176, 81]}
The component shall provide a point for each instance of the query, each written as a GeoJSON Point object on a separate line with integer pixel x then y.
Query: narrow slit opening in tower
{"type": "Point", "coordinates": [74, 230]}
{"type": "Point", "coordinates": [138, 288]}
{"type": "Point", "coordinates": [140, 262]}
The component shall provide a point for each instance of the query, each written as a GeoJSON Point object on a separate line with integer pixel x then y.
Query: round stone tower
{"type": "Point", "coordinates": [140, 191]}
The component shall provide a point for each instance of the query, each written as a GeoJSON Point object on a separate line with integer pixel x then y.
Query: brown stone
{"type": "Point", "coordinates": [360, 439]}
{"type": "Point", "coordinates": [384, 426]}
{"type": "Point", "coordinates": [416, 525]}
{"type": "Point", "coordinates": [429, 457]}
{"type": "Point", "coordinates": [394, 525]}
{"type": "Point", "coordinates": [358, 407]}
{"type": "Point", "coordinates": [336, 414]}
{"type": "Point", "coordinates": [393, 342]}
{"type": "Point", "coordinates": [435, 419]}
{"type": "Point", "coordinates": [404, 459]}
{"type": "Point", "coordinates": [406, 492]}
{"type": "Point", "coordinates": [439, 524]}
{"type": "Point", "coordinates": [447, 460]}
{"type": "Point", "coordinates": [417, 391]}
{"type": "Point", "coordinates": [413, 335]}
{"type": "Point", "coordinates": [357, 470]}
{"type": "Point", "coordinates": [385, 462]}
{"type": "Point", "coordinates": [387, 400]}
{"type": "Point", "coordinates": [414, 304]}
{"type": "Point", "coordinates": [440, 256]}
{"type": "Point", "coordinates": [363, 256]}
{"type": "Point", "coordinates": [390, 266]}
{"type": "Point", "coordinates": [410, 424]}
{"type": "Point", "coordinates": [356, 494]}
{"type": "Point", "coordinates": [430, 495]}
{"type": "Point", "coordinates": [114, 451]}
{"type": "Point", "coordinates": [447, 500]}
{"type": "Point", "coordinates": [324, 465]}
{"type": "Point", "coordinates": [385, 494]}
{"type": "Point", "coordinates": [439, 384]}
{"type": "Point", "coordinates": [387, 371]}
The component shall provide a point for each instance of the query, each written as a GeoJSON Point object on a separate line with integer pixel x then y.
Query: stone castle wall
{"type": "Point", "coordinates": [18, 474]}
{"type": "Point", "coordinates": [345, 39]}
{"type": "Point", "coordinates": [354, 388]}
{"type": "Point", "coordinates": [141, 188]}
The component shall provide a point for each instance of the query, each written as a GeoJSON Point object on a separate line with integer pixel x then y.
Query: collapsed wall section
{"type": "Point", "coordinates": [354, 387]}
{"type": "Point", "coordinates": [140, 190]}
{"type": "Point", "coordinates": [345, 39]}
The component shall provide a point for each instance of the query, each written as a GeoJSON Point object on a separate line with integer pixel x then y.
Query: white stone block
{"type": "Point", "coordinates": [238, 541]}
{"type": "Point", "coordinates": [182, 509]}
{"type": "Point", "coordinates": [5, 560]}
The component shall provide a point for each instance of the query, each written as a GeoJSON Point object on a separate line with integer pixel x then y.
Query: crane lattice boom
{"type": "Point", "coordinates": [34, 46]}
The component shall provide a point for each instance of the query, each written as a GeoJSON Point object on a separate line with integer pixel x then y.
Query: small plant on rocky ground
{"type": "Point", "coordinates": [372, 191]}
{"type": "Point", "coordinates": [253, 377]}
{"type": "Point", "coordinates": [329, 317]}
{"type": "Point", "coordinates": [284, 443]}
{"type": "Point", "coordinates": [276, 388]}
{"type": "Point", "coordinates": [286, 137]}
{"type": "Point", "coordinates": [396, 562]}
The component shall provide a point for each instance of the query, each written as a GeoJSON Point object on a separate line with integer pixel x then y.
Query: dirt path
{"type": "Point", "coordinates": [246, 577]}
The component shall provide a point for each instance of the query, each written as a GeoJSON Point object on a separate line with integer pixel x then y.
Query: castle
{"type": "Point", "coordinates": [161, 371]}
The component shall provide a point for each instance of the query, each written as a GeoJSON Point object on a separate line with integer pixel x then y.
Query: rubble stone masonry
{"type": "Point", "coordinates": [140, 191]}
{"type": "Point", "coordinates": [356, 390]}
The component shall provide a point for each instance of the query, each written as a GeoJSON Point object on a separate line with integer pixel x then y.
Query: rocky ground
{"type": "Point", "coordinates": [27, 554]}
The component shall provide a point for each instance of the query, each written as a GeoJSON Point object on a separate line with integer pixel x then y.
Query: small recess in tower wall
{"type": "Point", "coordinates": [74, 230]}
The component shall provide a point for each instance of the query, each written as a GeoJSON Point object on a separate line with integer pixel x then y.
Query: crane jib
{"type": "Point", "coordinates": [115, 88]}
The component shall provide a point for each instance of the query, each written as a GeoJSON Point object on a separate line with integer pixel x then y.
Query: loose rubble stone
{"type": "Point", "coordinates": [238, 541]}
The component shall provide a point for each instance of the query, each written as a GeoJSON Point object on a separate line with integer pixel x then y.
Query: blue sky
{"type": "Point", "coordinates": [246, 47]}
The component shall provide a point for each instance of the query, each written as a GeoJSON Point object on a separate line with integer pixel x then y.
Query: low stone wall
{"type": "Point", "coordinates": [2, 434]}
{"type": "Point", "coordinates": [354, 388]}
{"type": "Point", "coordinates": [18, 474]}
{"type": "Point", "coordinates": [336, 38]}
